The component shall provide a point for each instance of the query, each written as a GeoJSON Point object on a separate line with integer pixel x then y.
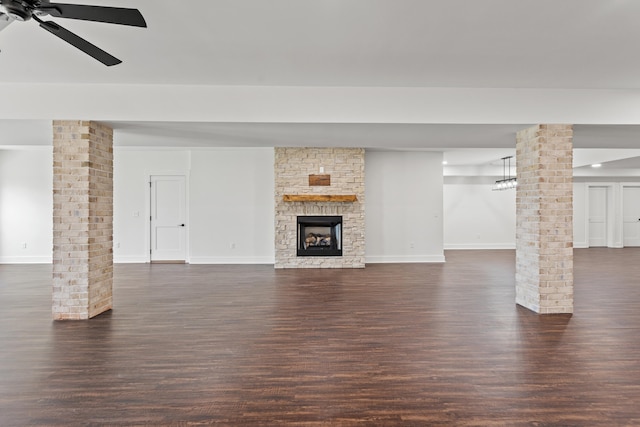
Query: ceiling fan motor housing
{"type": "Point", "coordinates": [16, 10]}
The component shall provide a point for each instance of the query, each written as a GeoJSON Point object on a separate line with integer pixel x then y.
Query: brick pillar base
{"type": "Point", "coordinates": [82, 219]}
{"type": "Point", "coordinates": [544, 219]}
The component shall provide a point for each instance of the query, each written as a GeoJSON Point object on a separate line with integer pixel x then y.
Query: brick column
{"type": "Point", "coordinates": [82, 219]}
{"type": "Point", "coordinates": [544, 219]}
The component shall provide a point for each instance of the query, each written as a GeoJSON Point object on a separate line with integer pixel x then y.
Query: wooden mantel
{"type": "Point", "coordinates": [320, 198]}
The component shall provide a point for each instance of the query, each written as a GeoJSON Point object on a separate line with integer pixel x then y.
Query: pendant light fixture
{"type": "Point", "coordinates": [507, 182]}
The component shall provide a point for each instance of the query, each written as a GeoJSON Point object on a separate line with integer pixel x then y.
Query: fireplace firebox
{"type": "Point", "coordinates": [319, 236]}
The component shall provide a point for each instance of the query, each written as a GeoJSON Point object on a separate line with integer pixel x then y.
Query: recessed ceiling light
{"type": "Point", "coordinates": [596, 165]}
{"type": "Point", "coordinates": [444, 162]}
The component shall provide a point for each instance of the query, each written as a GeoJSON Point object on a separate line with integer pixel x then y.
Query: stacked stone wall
{"type": "Point", "coordinates": [292, 169]}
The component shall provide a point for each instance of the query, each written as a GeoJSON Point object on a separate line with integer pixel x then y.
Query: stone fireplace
{"type": "Point", "coordinates": [315, 187]}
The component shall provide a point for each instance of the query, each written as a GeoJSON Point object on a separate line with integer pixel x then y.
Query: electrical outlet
{"type": "Point", "coordinates": [24, 245]}
{"type": "Point", "coordinates": [232, 245]}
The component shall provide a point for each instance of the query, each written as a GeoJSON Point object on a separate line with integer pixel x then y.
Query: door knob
{"type": "Point", "coordinates": [181, 225]}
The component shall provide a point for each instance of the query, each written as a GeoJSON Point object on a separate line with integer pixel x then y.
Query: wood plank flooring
{"type": "Point", "coordinates": [394, 344]}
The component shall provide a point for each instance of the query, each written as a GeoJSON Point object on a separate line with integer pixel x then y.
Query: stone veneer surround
{"type": "Point", "coordinates": [292, 169]}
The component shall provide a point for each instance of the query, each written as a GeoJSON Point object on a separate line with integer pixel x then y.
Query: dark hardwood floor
{"type": "Point", "coordinates": [395, 344]}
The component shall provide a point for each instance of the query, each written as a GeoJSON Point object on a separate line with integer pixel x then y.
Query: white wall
{"type": "Point", "coordinates": [229, 202]}
{"type": "Point", "coordinates": [131, 209]}
{"type": "Point", "coordinates": [475, 217]}
{"type": "Point", "coordinates": [26, 205]}
{"type": "Point", "coordinates": [232, 206]}
{"type": "Point", "coordinates": [403, 207]}
{"type": "Point", "coordinates": [410, 215]}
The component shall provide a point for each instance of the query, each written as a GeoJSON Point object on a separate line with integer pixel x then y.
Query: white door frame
{"type": "Point", "coordinates": [614, 218]}
{"type": "Point", "coordinates": [148, 175]}
{"type": "Point", "coordinates": [621, 206]}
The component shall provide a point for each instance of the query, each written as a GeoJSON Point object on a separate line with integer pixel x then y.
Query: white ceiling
{"type": "Point", "coordinates": [546, 44]}
{"type": "Point", "coordinates": [390, 43]}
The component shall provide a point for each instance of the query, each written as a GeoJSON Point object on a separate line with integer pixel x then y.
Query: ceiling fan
{"type": "Point", "coordinates": [24, 10]}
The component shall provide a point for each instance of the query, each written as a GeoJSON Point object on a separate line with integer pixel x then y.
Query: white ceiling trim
{"type": "Point", "coordinates": [261, 104]}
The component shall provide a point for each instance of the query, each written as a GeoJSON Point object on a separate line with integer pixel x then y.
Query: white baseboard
{"type": "Point", "coordinates": [130, 259]}
{"type": "Point", "coordinates": [390, 259]}
{"type": "Point", "coordinates": [452, 247]}
{"type": "Point", "coordinates": [26, 259]}
{"type": "Point", "coordinates": [231, 260]}
{"type": "Point", "coordinates": [464, 246]}
{"type": "Point", "coordinates": [586, 246]}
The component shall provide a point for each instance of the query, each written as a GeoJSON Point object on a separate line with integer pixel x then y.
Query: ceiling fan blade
{"type": "Point", "coordinates": [111, 15]}
{"type": "Point", "coordinates": [4, 21]}
{"type": "Point", "coordinates": [80, 43]}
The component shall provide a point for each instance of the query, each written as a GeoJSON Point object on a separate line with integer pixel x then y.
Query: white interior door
{"type": "Point", "coordinates": [168, 218]}
{"type": "Point", "coordinates": [597, 216]}
{"type": "Point", "coordinates": [631, 216]}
